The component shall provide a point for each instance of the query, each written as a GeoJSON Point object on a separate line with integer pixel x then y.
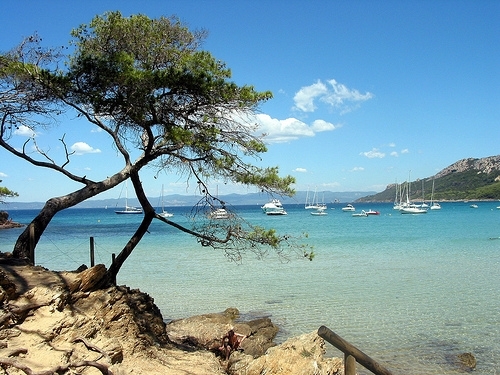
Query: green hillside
{"type": "Point", "coordinates": [453, 183]}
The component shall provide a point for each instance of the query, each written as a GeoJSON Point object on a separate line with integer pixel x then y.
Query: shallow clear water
{"type": "Point", "coordinates": [411, 291]}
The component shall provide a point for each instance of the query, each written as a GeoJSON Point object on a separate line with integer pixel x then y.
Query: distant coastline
{"type": "Point", "coordinates": [258, 199]}
{"type": "Point", "coordinates": [178, 200]}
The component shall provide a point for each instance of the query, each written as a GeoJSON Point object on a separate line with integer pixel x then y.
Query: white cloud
{"type": "Point", "coordinates": [278, 131]}
{"type": "Point", "coordinates": [2, 174]}
{"type": "Point", "coordinates": [338, 96]}
{"type": "Point", "coordinates": [405, 151]}
{"type": "Point", "coordinates": [323, 126]}
{"type": "Point", "coordinates": [24, 131]}
{"type": "Point", "coordinates": [357, 169]}
{"type": "Point", "coordinates": [392, 144]}
{"type": "Point", "coordinates": [304, 98]}
{"type": "Point", "coordinates": [374, 153]}
{"type": "Point", "coordinates": [300, 170]}
{"type": "Point", "coordinates": [80, 148]}
{"type": "Point", "coordinates": [394, 153]}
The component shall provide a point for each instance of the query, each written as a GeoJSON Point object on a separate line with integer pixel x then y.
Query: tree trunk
{"type": "Point", "coordinates": [54, 205]}
{"type": "Point", "coordinates": [149, 214]}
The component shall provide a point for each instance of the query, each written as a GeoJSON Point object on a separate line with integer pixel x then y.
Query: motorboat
{"type": "Point", "coordinates": [360, 214]}
{"type": "Point", "coordinates": [348, 208]}
{"type": "Point", "coordinates": [473, 206]}
{"type": "Point", "coordinates": [274, 207]}
{"type": "Point", "coordinates": [219, 213]}
{"type": "Point", "coordinates": [372, 212]}
{"type": "Point", "coordinates": [435, 206]}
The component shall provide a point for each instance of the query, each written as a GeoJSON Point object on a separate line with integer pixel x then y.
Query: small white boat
{"type": "Point", "coordinates": [348, 208]}
{"type": "Point", "coordinates": [413, 210]}
{"type": "Point", "coordinates": [273, 207]}
{"type": "Point", "coordinates": [360, 214]}
{"type": "Point", "coordinates": [319, 212]}
{"type": "Point", "coordinates": [473, 206]}
{"type": "Point", "coordinates": [166, 214]}
{"type": "Point", "coordinates": [219, 213]}
{"type": "Point", "coordinates": [435, 206]}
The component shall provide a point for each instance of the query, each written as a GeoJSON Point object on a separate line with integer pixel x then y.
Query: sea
{"type": "Point", "coordinates": [410, 291]}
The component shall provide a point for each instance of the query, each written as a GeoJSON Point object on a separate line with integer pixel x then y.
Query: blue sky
{"type": "Point", "coordinates": [364, 91]}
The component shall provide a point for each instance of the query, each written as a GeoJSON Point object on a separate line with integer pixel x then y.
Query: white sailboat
{"type": "Point", "coordinates": [423, 205]}
{"type": "Point", "coordinates": [397, 199]}
{"type": "Point", "coordinates": [315, 205]}
{"type": "Point", "coordinates": [408, 207]}
{"type": "Point", "coordinates": [163, 212]}
{"type": "Point", "coordinates": [434, 205]}
{"type": "Point", "coordinates": [128, 209]}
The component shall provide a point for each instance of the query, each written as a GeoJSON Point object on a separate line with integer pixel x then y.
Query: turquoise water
{"type": "Point", "coordinates": [411, 291]}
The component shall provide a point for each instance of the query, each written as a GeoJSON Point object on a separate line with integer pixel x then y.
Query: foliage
{"type": "Point", "coordinates": [161, 99]}
{"type": "Point", "coordinates": [6, 193]}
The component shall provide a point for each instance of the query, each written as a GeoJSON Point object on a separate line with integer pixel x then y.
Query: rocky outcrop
{"type": "Point", "coordinates": [298, 355]}
{"type": "Point", "coordinates": [206, 331]}
{"type": "Point", "coordinates": [6, 222]}
{"type": "Point", "coordinates": [483, 165]}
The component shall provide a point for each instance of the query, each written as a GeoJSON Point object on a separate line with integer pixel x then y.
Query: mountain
{"type": "Point", "coordinates": [177, 200]}
{"type": "Point", "coordinates": [467, 179]}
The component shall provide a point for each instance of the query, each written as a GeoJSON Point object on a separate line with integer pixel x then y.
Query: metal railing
{"type": "Point", "coordinates": [351, 354]}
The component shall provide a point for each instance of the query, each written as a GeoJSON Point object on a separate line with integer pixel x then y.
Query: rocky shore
{"type": "Point", "coordinates": [6, 222]}
{"type": "Point", "coordinates": [57, 322]}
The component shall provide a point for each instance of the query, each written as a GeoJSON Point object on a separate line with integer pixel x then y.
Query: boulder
{"type": "Point", "coordinates": [206, 331]}
{"type": "Point", "coordinates": [298, 355]}
{"type": "Point", "coordinates": [467, 361]}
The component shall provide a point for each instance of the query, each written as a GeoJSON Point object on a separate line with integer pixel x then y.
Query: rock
{"type": "Point", "coordinates": [7, 287]}
{"type": "Point", "coordinates": [92, 277]}
{"type": "Point", "coordinates": [6, 223]}
{"type": "Point", "coordinates": [206, 331]}
{"type": "Point", "coordinates": [299, 355]}
{"type": "Point", "coordinates": [467, 361]}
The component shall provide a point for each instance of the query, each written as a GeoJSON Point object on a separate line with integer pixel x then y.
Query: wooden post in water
{"type": "Point", "coordinates": [351, 351]}
{"type": "Point", "coordinates": [113, 257]}
{"type": "Point", "coordinates": [32, 244]}
{"type": "Point", "coordinates": [349, 365]}
{"type": "Point", "coordinates": [92, 262]}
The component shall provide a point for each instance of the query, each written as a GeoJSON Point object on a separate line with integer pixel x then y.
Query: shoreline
{"type": "Point", "coordinates": [121, 331]}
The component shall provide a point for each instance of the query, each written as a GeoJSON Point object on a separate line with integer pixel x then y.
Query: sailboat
{"type": "Point", "coordinates": [128, 209]}
{"type": "Point", "coordinates": [314, 205]}
{"type": "Point", "coordinates": [434, 205]}
{"type": "Point", "coordinates": [398, 198]}
{"type": "Point", "coordinates": [423, 205]}
{"type": "Point", "coordinates": [164, 213]}
{"type": "Point", "coordinates": [408, 207]}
